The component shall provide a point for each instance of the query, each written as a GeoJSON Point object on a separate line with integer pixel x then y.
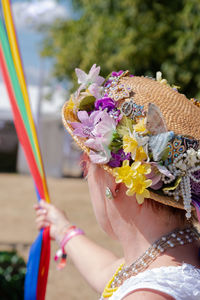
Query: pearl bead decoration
{"type": "Point", "coordinates": [173, 239]}
{"type": "Point", "coordinates": [184, 166]}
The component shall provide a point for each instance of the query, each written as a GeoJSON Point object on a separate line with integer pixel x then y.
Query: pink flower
{"type": "Point", "coordinates": [87, 79]}
{"type": "Point", "coordinates": [156, 175]}
{"type": "Point", "coordinates": [100, 154]}
{"type": "Point", "coordinates": [86, 126]}
{"type": "Point", "coordinates": [102, 133]}
{"type": "Point", "coordinates": [156, 178]}
{"type": "Point", "coordinates": [105, 128]}
{"type": "Point", "coordinates": [101, 157]}
{"type": "Point", "coordinates": [100, 138]}
{"type": "Point", "coordinates": [95, 90]}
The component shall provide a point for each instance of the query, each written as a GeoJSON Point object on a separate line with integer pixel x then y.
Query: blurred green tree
{"type": "Point", "coordinates": [143, 36]}
{"type": "Point", "coordinates": [12, 275]}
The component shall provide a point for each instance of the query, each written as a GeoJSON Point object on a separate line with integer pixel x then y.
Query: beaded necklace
{"type": "Point", "coordinates": [171, 240]}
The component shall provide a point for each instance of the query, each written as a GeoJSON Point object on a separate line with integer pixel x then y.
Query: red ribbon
{"type": "Point", "coordinates": [44, 265]}
{"type": "Point", "coordinates": [20, 127]}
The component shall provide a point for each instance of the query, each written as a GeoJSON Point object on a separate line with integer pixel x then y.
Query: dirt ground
{"type": "Point", "coordinates": [17, 226]}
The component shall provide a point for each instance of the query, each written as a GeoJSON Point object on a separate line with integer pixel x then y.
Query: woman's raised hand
{"type": "Point", "coordinates": [48, 215]}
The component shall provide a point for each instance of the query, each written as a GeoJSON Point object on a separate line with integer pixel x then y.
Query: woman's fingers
{"type": "Point", "coordinates": [42, 221]}
{"type": "Point", "coordinates": [41, 225]}
{"type": "Point", "coordinates": [48, 215]}
{"type": "Point", "coordinates": [41, 218]}
{"type": "Point", "coordinates": [41, 211]}
{"type": "Point", "coordinates": [44, 214]}
{"type": "Point", "coordinates": [44, 204]}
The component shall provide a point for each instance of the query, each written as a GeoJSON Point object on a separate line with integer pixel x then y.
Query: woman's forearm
{"type": "Point", "coordinates": [95, 263]}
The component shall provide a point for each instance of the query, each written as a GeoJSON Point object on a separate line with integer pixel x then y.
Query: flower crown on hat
{"type": "Point", "coordinates": [135, 143]}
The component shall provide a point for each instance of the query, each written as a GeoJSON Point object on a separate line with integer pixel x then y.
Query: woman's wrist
{"type": "Point", "coordinates": [60, 234]}
{"type": "Point", "coordinates": [66, 234]}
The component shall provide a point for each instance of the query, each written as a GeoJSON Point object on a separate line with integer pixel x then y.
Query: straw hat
{"type": "Point", "coordinates": [180, 114]}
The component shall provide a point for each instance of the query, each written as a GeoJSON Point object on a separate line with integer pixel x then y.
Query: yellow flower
{"type": "Point", "coordinates": [140, 168]}
{"type": "Point", "coordinates": [70, 110]}
{"type": "Point", "coordinates": [140, 154]}
{"type": "Point", "coordinates": [70, 104]}
{"type": "Point", "coordinates": [144, 169]}
{"type": "Point", "coordinates": [141, 126]}
{"type": "Point", "coordinates": [124, 174]}
{"type": "Point", "coordinates": [139, 187]}
{"type": "Point", "coordinates": [129, 144]}
{"type": "Point", "coordinates": [136, 165]}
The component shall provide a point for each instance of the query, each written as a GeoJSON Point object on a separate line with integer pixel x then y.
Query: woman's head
{"type": "Point", "coordinates": [141, 131]}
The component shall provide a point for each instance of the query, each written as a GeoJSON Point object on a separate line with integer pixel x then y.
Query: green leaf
{"type": "Point", "coordinates": [165, 154]}
{"type": "Point", "coordinates": [116, 143]}
{"type": "Point", "coordinates": [87, 103]}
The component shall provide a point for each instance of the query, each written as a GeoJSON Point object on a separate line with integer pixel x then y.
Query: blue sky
{"type": "Point", "coordinates": [28, 15]}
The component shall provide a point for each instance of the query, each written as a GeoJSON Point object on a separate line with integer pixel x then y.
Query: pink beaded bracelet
{"type": "Point", "coordinates": [71, 232]}
{"type": "Point", "coordinates": [69, 235]}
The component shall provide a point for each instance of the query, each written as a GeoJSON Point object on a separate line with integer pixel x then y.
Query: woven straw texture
{"type": "Point", "coordinates": [181, 116]}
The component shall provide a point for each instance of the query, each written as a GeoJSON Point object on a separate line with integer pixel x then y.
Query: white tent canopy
{"type": "Point", "coordinates": [49, 107]}
{"type": "Point", "coordinates": [55, 143]}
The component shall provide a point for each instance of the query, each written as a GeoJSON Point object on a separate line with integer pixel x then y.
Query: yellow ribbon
{"type": "Point", "coordinates": [20, 74]}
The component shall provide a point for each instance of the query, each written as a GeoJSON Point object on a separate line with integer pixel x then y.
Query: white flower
{"type": "Point", "coordinates": [142, 140]}
{"type": "Point", "coordinates": [191, 152]}
{"type": "Point", "coordinates": [191, 157]}
{"type": "Point", "coordinates": [87, 79]}
{"type": "Point", "coordinates": [159, 78]}
{"type": "Point", "coordinates": [198, 154]}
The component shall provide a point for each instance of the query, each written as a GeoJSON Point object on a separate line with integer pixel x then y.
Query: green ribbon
{"type": "Point", "coordinates": [17, 89]}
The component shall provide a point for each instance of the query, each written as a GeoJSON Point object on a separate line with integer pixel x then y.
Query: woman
{"type": "Point", "coordinates": [142, 163]}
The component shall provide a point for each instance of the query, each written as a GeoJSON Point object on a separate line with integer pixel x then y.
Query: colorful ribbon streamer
{"type": "Point", "coordinates": [13, 75]}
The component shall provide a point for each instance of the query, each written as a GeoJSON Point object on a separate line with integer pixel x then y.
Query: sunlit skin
{"type": "Point", "coordinates": [135, 226]}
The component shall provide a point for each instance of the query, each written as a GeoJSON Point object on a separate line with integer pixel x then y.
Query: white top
{"type": "Point", "coordinates": [182, 282]}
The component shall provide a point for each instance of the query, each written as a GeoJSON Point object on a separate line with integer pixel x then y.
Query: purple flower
{"type": "Point", "coordinates": [195, 186]}
{"type": "Point", "coordinates": [116, 74]}
{"type": "Point", "coordinates": [118, 158]}
{"type": "Point", "coordinates": [104, 103]}
{"type": "Point", "coordinates": [87, 124]}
